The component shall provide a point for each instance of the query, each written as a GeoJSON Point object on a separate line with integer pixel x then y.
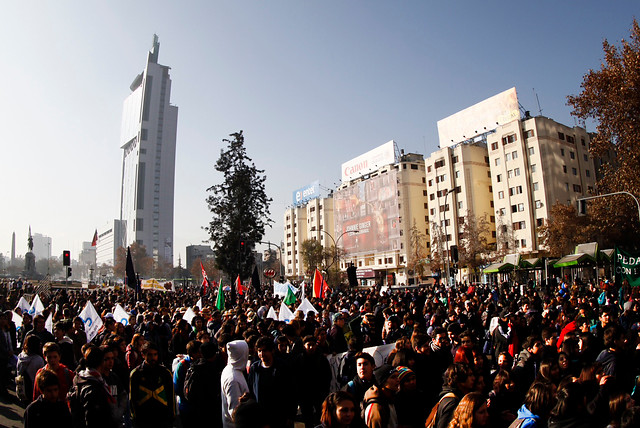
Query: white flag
{"type": "Point", "coordinates": [306, 306]}
{"type": "Point", "coordinates": [188, 315]}
{"type": "Point", "coordinates": [272, 314]}
{"type": "Point", "coordinates": [198, 304]}
{"type": "Point", "coordinates": [92, 321]}
{"type": "Point", "coordinates": [36, 306]}
{"type": "Point", "coordinates": [49, 324]}
{"type": "Point", "coordinates": [120, 315]}
{"type": "Point", "coordinates": [17, 319]}
{"type": "Point", "coordinates": [23, 305]}
{"type": "Point", "coordinates": [285, 313]}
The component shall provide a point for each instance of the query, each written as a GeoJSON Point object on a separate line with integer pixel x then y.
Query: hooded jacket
{"type": "Point", "coordinates": [379, 411]}
{"type": "Point", "coordinates": [28, 366]}
{"type": "Point", "coordinates": [232, 381]}
{"type": "Point", "coordinates": [530, 420]}
{"type": "Point", "coordinates": [91, 402]}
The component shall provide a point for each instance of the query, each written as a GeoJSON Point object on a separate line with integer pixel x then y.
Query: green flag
{"type": "Point", "coordinates": [290, 298]}
{"type": "Point", "coordinates": [220, 299]}
{"type": "Point", "coordinates": [627, 266]}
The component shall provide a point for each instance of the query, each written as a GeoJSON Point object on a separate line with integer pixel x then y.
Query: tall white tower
{"type": "Point", "coordinates": [148, 140]}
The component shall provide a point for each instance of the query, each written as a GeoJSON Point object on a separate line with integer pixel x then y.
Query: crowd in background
{"type": "Point", "coordinates": [508, 355]}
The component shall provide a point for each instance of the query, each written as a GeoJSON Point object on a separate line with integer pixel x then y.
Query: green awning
{"type": "Point", "coordinates": [498, 267]}
{"type": "Point", "coordinates": [574, 260]}
{"type": "Point", "coordinates": [530, 263]}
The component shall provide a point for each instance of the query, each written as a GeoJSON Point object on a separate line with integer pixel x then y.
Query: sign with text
{"type": "Point", "coordinates": [369, 162]}
{"type": "Point", "coordinates": [627, 266]}
{"type": "Point", "coordinates": [306, 193]}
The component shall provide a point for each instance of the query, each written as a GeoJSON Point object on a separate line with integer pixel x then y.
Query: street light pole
{"type": "Point", "coordinates": [279, 249]}
{"type": "Point", "coordinates": [445, 232]}
{"type": "Point", "coordinates": [612, 194]}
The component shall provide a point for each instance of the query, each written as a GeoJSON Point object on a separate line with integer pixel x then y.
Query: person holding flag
{"type": "Point", "coordinates": [320, 287]}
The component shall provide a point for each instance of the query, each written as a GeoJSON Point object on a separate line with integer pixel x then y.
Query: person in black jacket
{"type": "Point", "coordinates": [459, 380]}
{"type": "Point", "coordinates": [90, 397]}
{"type": "Point", "coordinates": [47, 411]}
{"type": "Point", "coordinates": [364, 379]}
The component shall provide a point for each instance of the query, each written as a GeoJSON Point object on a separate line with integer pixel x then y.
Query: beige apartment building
{"type": "Point", "coordinates": [535, 162]}
{"type": "Point", "coordinates": [376, 211]}
{"type": "Point", "coordinates": [312, 219]}
{"type": "Point", "coordinates": [459, 186]}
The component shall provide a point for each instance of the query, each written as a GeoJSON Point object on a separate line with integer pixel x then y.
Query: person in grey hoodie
{"type": "Point", "coordinates": [232, 381]}
{"type": "Point", "coordinates": [29, 362]}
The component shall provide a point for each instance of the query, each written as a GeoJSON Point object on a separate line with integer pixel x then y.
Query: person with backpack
{"type": "Point", "coordinates": [459, 380]}
{"type": "Point", "coordinates": [379, 409]}
{"type": "Point", "coordinates": [364, 379]}
{"type": "Point", "coordinates": [90, 397]}
{"type": "Point", "coordinates": [201, 387]}
{"type": "Point", "coordinates": [29, 362]}
{"type": "Point", "coordinates": [179, 375]}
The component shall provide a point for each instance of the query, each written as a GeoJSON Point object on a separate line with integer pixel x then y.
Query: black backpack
{"type": "Point", "coordinates": [191, 385]}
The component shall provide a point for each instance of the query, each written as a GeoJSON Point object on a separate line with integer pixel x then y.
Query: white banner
{"type": "Point", "coordinates": [280, 290]}
{"type": "Point", "coordinates": [120, 315]}
{"type": "Point", "coordinates": [199, 304]}
{"type": "Point", "coordinates": [92, 321]}
{"type": "Point", "coordinates": [17, 319]}
{"type": "Point", "coordinates": [379, 353]}
{"type": "Point", "coordinates": [272, 314]}
{"type": "Point", "coordinates": [306, 306]}
{"type": "Point", "coordinates": [49, 324]}
{"type": "Point", "coordinates": [188, 315]}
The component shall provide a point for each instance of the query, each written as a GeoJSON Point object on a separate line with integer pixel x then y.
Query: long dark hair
{"type": "Point", "coordinates": [330, 405]}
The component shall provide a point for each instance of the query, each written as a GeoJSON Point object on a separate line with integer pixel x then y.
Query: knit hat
{"type": "Point", "coordinates": [404, 373]}
{"type": "Point", "coordinates": [383, 373]}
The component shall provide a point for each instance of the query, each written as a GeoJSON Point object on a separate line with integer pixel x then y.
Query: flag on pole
{"type": "Point", "coordinates": [17, 320]}
{"type": "Point", "coordinates": [94, 242]}
{"type": "Point", "coordinates": [199, 304]}
{"type": "Point", "coordinates": [120, 315]}
{"type": "Point", "coordinates": [239, 286]}
{"type": "Point", "coordinates": [48, 324]}
{"type": "Point", "coordinates": [290, 298]}
{"type": "Point", "coordinates": [255, 281]}
{"type": "Point", "coordinates": [272, 314]}
{"type": "Point", "coordinates": [36, 306]}
{"type": "Point", "coordinates": [285, 313]}
{"type": "Point", "coordinates": [132, 281]}
{"type": "Point", "coordinates": [220, 299]}
{"type": "Point", "coordinates": [189, 315]}
{"type": "Point", "coordinates": [23, 305]}
{"type": "Point", "coordinates": [205, 279]}
{"type": "Point", "coordinates": [317, 284]}
{"type": "Point", "coordinates": [92, 321]}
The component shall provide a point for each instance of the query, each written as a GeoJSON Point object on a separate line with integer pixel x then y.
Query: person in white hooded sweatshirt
{"type": "Point", "coordinates": [232, 381]}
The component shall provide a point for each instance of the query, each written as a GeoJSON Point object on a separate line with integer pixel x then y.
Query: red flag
{"type": "Point", "coordinates": [95, 239]}
{"type": "Point", "coordinates": [239, 286]}
{"type": "Point", "coordinates": [317, 284]}
{"type": "Point", "coordinates": [325, 288]}
{"type": "Point", "coordinates": [205, 279]}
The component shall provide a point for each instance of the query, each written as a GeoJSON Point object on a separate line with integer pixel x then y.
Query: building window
{"type": "Point", "coordinates": [574, 171]}
{"type": "Point", "coordinates": [457, 174]}
{"type": "Point", "coordinates": [571, 139]}
{"type": "Point", "coordinates": [510, 173]}
{"type": "Point", "coordinates": [528, 133]}
{"type": "Point", "coordinates": [490, 189]}
{"type": "Point", "coordinates": [516, 172]}
{"type": "Point", "coordinates": [429, 168]}
{"type": "Point", "coordinates": [507, 157]}
{"type": "Point", "coordinates": [432, 196]}
{"type": "Point", "coordinates": [582, 141]}
{"type": "Point", "coordinates": [587, 173]}
{"type": "Point", "coordinates": [531, 151]}
{"type": "Point", "coordinates": [535, 185]}
{"type": "Point", "coordinates": [497, 161]}
{"type": "Point", "coordinates": [491, 202]}
{"type": "Point", "coordinates": [454, 159]}
{"type": "Point", "coordinates": [533, 167]}
{"type": "Point", "coordinates": [425, 193]}
{"type": "Point", "coordinates": [514, 208]}
{"type": "Point", "coordinates": [509, 139]}
{"type": "Point", "coordinates": [520, 207]}
{"type": "Point", "coordinates": [486, 160]}
{"type": "Point", "coordinates": [444, 208]}
{"type": "Point", "coordinates": [426, 205]}
{"type": "Point", "coordinates": [502, 211]}
{"type": "Point", "coordinates": [445, 223]}
{"type": "Point", "coordinates": [489, 173]}
{"type": "Point", "coordinates": [459, 205]}
{"type": "Point", "coordinates": [539, 222]}
{"type": "Point", "coordinates": [514, 155]}
{"type": "Point", "coordinates": [564, 169]}
{"type": "Point", "coordinates": [430, 183]}
{"type": "Point", "coordinates": [499, 178]}
{"type": "Point", "coordinates": [566, 186]}
{"type": "Point", "coordinates": [413, 166]}
{"type": "Point", "coordinates": [523, 243]}
{"type": "Point", "coordinates": [432, 211]}
{"type": "Point", "coordinates": [424, 180]}
{"type": "Point", "coordinates": [561, 137]}
{"type": "Point", "coordinates": [519, 225]}
{"type": "Point", "coordinates": [440, 163]}
{"type": "Point", "coordinates": [572, 155]}
{"type": "Point", "coordinates": [577, 188]}
{"type": "Point", "coordinates": [538, 204]}
{"type": "Point", "coordinates": [500, 194]}
{"type": "Point", "coordinates": [494, 146]}
{"type": "Point", "coordinates": [561, 152]}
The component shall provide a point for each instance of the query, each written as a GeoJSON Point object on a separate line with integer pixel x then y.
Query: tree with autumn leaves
{"type": "Point", "coordinates": [610, 96]}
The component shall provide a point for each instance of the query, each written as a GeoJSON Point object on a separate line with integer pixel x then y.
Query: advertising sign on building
{"type": "Point", "coordinates": [369, 211]}
{"type": "Point", "coordinates": [369, 162]}
{"type": "Point", "coordinates": [306, 193]}
{"type": "Point", "coordinates": [479, 118]}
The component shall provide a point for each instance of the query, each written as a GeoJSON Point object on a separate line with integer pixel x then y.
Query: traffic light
{"type": "Point", "coordinates": [66, 258]}
{"type": "Point", "coordinates": [351, 274]}
{"type": "Point", "coordinates": [582, 207]}
{"type": "Point", "coordinates": [68, 271]}
{"type": "Point", "coordinates": [454, 253]}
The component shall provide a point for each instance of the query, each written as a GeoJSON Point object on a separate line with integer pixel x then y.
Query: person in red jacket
{"type": "Point", "coordinates": [51, 352]}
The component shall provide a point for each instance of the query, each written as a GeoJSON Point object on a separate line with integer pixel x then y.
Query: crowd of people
{"type": "Point", "coordinates": [508, 355]}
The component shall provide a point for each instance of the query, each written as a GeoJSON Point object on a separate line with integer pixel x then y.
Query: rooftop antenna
{"type": "Point", "coordinates": [538, 101]}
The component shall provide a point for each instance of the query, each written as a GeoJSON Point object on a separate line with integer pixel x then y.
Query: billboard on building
{"type": "Point", "coordinates": [306, 193]}
{"type": "Point", "coordinates": [368, 212]}
{"type": "Point", "coordinates": [369, 162]}
{"type": "Point", "coordinates": [479, 118]}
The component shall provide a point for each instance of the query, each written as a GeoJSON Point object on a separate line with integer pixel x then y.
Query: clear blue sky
{"type": "Point", "coordinates": [312, 84]}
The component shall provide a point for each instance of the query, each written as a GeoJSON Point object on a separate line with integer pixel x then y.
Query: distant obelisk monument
{"type": "Point", "coordinates": [30, 259]}
{"type": "Point", "coordinates": [13, 248]}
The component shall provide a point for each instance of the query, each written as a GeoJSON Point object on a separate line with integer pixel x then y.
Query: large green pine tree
{"type": "Point", "coordinates": [240, 209]}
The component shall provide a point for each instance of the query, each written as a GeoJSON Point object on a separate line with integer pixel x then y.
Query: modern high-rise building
{"type": "Point", "coordinates": [111, 236]}
{"type": "Point", "coordinates": [148, 140]}
{"type": "Point", "coordinates": [41, 246]}
{"type": "Point", "coordinates": [195, 252]}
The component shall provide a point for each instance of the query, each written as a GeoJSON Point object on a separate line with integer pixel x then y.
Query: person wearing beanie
{"type": "Point", "coordinates": [379, 409]}
{"type": "Point", "coordinates": [409, 401]}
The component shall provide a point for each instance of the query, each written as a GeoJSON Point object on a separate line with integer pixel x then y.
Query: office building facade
{"type": "Point", "coordinates": [148, 141]}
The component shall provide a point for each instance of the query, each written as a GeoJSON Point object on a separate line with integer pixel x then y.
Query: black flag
{"type": "Point", "coordinates": [132, 281]}
{"type": "Point", "coordinates": [255, 281]}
